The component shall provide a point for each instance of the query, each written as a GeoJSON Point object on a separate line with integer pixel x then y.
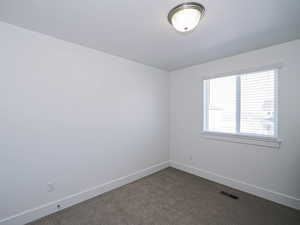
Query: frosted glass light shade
{"type": "Point", "coordinates": [186, 17]}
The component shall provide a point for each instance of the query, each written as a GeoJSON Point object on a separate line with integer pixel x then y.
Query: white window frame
{"type": "Point", "coordinates": [238, 137]}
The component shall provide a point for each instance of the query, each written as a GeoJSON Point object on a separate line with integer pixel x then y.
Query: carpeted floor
{"type": "Point", "coordinates": [172, 197]}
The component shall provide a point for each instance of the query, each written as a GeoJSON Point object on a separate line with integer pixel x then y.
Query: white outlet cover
{"type": "Point", "coordinates": [50, 187]}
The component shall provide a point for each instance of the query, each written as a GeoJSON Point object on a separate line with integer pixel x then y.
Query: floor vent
{"type": "Point", "coordinates": [229, 195]}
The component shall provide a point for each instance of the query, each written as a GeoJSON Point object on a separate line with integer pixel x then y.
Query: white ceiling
{"type": "Point", "coordinates": [138, 29]}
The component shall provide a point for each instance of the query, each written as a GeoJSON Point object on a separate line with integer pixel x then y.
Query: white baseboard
{"type": "Point", "coordinates": [236, 184]}
{"type": "Point", "coordinates": [51, 207]}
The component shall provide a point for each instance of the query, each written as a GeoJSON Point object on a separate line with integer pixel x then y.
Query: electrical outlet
{"type": "Point", "coordinates": [50, 187]}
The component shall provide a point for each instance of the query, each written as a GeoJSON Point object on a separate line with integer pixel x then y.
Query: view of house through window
{"type": "Point", "coordinates": [242, 104]}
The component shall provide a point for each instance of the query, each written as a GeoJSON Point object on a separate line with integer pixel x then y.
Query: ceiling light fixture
{"type": "Point", "coordinates": [186, 16]}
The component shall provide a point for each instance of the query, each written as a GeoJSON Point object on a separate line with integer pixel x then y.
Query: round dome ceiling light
{"type": "Point", "coordinates": [186, 16]}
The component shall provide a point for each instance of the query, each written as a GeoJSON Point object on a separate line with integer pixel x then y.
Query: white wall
{"type": "Point", "coordinates": [270, 173]}
{"type": "Point", "coordinates": [73, 116]}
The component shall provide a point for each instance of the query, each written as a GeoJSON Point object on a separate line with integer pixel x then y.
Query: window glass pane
{"type": "Point", "coordinates": [222, 104]}
{"type": "Point", "coordinates": [257, 103]}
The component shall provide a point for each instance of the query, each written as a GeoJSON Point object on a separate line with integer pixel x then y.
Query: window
{"type": "Point", "coordinates": [243, 104]}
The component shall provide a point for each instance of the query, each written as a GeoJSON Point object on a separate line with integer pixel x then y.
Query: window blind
{"type": "Point", "coordinates": [257, 103]}
{"type": "Point", "coordinates": [242, 104]}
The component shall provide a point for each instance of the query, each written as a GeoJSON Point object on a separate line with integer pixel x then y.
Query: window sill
{"type": "Point", "coordinates": [243, 139]}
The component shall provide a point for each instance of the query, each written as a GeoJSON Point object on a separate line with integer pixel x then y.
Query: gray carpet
{"type": "Point", "coordinates": [172, 197]}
